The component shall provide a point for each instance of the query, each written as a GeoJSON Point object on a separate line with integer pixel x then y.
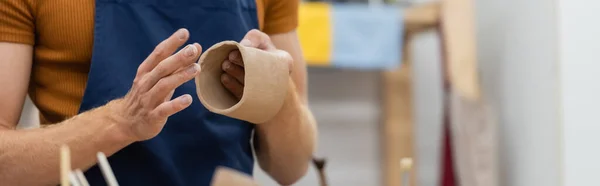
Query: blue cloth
{"type": "Point", "coordinates": [366, 37]}
{"type": "Point", "coordinates": [194, 141]}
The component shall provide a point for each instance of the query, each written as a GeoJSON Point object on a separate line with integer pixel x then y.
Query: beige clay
{"type": "Point", "coordinates": [228, 177]}
{"type": "Point", "coordinates": [265, 83]}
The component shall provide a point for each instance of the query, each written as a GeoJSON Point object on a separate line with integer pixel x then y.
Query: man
{"type": "Point", "coordinates": [105, 78]}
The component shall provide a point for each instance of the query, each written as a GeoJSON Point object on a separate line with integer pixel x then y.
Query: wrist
{"type": "Point", "coordinates": [292, 103]}
{"type": "Point", "coordinates": [118, 125]}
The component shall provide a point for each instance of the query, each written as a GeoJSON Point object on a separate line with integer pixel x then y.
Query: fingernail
{"type": "Point", "coordinates": [246, 42]}
{"type": "Point", "coordinates": [233, 55]}
{"type": "Point", "coordinates": [193, 69]}
{"type": "Point", "coordinates": [186, 99]}
{"type": "Point", "coordinates": [224, 78]}
{"type": "Point", "coordinates": [190, 51]}
{"type": "Point", "coordinates": [181, 34]}
{"type": "Point", "coordinates": [226, 65]}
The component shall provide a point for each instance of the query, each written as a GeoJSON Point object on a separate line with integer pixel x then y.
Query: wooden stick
{"type": "Point", "coordinates": [109, 176]}
{"type": "Point", "coordinates": [65, 165]}
{"type": "Point", "coordinates": [73, 178]}
{"type": "Point", "coordinates": [405, 167]}
{"type": "Point", "coordinates": [397, 132]}
{"type": "Point", "coordinates": [421, 17]}
{"type": "Point", "coordinates": [320, 165]}
{"type": "Point", "coordinates": [224, 176]}
{"type": "Point", "coordinates": [81, 177]}
{"type": "Point", "coordinates": [460, 47]}
{"type": "Point", "coordinates": [397, 137]}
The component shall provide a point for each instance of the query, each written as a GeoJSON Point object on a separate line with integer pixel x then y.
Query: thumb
{"type": "Point", "coordinates": [257, 39]}
{"type": "Point", "coordinates": [285, 57]}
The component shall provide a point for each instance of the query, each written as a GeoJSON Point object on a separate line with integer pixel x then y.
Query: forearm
{"type": "Point", "coordinates": [287, 142]}
{"type": "Point", "coordinates": [31, 157]}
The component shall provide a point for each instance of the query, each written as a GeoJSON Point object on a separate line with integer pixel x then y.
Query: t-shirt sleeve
{"type": "Point", "coordinates": [281, 16]}
{"type": "Point", "coordinates": [17, 21]}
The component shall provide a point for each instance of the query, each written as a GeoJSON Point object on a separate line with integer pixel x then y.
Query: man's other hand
{"type": "Point", "coordinates": [143, 112]}
{"type": "Point", "coordinates": [233, 66]}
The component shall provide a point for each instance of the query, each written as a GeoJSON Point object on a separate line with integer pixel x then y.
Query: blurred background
{"type": "Point", "coordinates": [536, 64]}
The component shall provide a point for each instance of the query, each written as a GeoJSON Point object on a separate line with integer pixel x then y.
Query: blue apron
{"type": "Point", "coordinates": [194, 141]}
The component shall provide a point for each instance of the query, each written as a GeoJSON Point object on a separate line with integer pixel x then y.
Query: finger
{"type": "Point", "coordinates": [257, 39]}
{"type": "Point", "coordinates": [183, 58]}
{"type": "Point", "coordinates": [163, 50]}
{"type": "Point", "coordinates": [286, 58]}
{"type": "Point", "coordinates": [166, 85]}
{"type": "Point", "coordinates": [236, 57]}
{"type": "Point", "coordinates": [235, 87]}
{"type": "Point", "coordinates": [169, 108]}
{"type": "Point", "coordinates": [169, 96]}
{"type": "Point", "coordinates": [234, 70]}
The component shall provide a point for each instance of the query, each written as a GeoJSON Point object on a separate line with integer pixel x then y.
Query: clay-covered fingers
{"type": "Point", "coordinates": [235, 57]}
{"type": "Point", "coordinates": [166, 85]}
{"type": "Point", "coordinates": [163, 50]}
{"type": "Point", "coordinates": [171, 107]}
{"type": "Point", "coordinates": [234, 70]}
{"type": "Point", "coordinates": [233, 78]}
{"type": "Point", "coordinates": [181, 59]}
{"type": "Point", "coordinates": [235, 87]}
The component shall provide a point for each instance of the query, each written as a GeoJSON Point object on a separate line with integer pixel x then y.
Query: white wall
{"type": "Point", "coordinates": [580, 73]}
{"type": "Point", "coordinates": [518, 57]}
{"type": "Point", "coordinates": [519, 64]}
{"type": "Point", "coordinates": [29, 115]}
{"type": "Point", "coordinates": [427, 91]}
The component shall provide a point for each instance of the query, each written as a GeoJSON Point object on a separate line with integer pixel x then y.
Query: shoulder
{"type": "Point", "coordinates": [17, 21]}
{"type": "Point", "coordinates": [280, 16]}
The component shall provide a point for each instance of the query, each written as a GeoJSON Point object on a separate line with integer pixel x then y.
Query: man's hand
{"type": "Point", "coordinates": [233, 66]}
{"type": "Point", "coordinates": [139, 115]}
{"type": "Point", "coordinates": [143, 112]}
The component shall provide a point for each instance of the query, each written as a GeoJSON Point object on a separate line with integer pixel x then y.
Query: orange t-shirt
{"type": "Point", "coordinates": [61, 32]}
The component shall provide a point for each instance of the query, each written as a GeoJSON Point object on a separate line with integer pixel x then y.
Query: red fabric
{"type": "Point", "coordinates": [448, 176]}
